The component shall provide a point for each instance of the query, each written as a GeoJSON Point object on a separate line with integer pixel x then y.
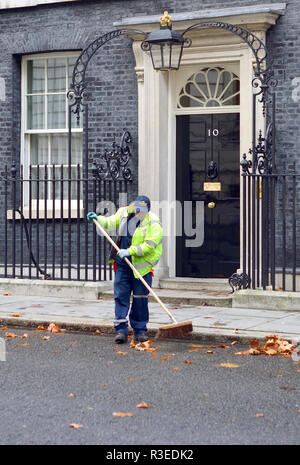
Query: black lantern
{"type": "Point", "coordinates": [165, 46]}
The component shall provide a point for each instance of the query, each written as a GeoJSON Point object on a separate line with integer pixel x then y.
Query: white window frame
{"type": "Point", "coordinates": [24, 146]}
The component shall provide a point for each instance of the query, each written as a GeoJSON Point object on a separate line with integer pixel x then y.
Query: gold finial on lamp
{"type": "Point", "coordinates": [166, 20]}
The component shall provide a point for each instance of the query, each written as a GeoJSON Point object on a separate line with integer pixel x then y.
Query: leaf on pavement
{"type": "Point", "coordinates": [273, 346]}
{"type": "Point", "coordinates": [8, 334]}
{"type": "Point", "coordinates": [16, 315]}
{"type": "Point", "coordinates": [176, 368]}
{"type": "Point", "coordinates": [186, 361]}
{"type": "Point", "coordinates": [143, 405]}
{"type": "Point", "coordinates": [122, 414]}
{"type": "Point", "coordinates": [23, 344]}
{"type": "Point", "coordinates": [120, 352]}
{"type": "Point", "coordinates": [41, 328]}
{"type": "Point", "coordinates": [144, 346]}
{"type": "Point", "coordinates": [75, 425]}
{"type": "Point", "coordinates": [45, 338]}
{"type": "Point", "coordinates": [228, 365]}
{"type": "Point", "coordinates": [53, 328]}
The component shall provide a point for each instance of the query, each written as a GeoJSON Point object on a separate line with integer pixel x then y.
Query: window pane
{"type": "Point", "coordinates": [36, 112]}
{"type": "Point", "coordinates": [76, 148]}
{"type": "Point", "coordinates": [38, 149]}
{"type": "Point", "coordinates": [74, 186]}
{"type": "Point", "coordinates": [56, 111]}
{"type": "Point", "coordinates": [35, 76]}
{"type": "Point", "coordinates": [71, 64]}
{"type": "Point", "coordinates": [59, 149]}
{"type": "Point", "coordinates": [57, 75]}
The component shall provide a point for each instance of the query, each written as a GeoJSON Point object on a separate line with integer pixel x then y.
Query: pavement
{"type": "Point", "coordinates": [210, 323]}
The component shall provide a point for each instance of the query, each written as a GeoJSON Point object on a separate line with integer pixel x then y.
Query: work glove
{"type": "Point", "coordinates": [123, 253]}
{"type": "Point", "coordinates": [92, 216]}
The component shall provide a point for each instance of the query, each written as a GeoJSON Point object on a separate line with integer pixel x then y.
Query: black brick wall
{"type": "Point", "coordinates": [111, 78]}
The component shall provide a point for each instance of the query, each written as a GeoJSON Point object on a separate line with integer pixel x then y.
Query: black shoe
{"type": "Point", "coordinates": [142, 337]}
{"type": "Point", "coordinates": [121, 338]}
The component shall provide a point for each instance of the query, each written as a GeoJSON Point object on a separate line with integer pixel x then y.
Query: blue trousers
{"type": "Point", "coordinates": [125, 283]}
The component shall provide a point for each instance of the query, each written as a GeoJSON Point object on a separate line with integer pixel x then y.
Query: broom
{"type": "Point", "coordinates": [169, 331]}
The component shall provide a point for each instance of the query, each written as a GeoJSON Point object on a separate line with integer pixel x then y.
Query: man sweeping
{"type": "Point", "coordinates": [140, 241]}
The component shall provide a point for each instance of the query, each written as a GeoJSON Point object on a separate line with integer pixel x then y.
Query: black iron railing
{"type": "Point", "coordinates": [270, 234]}
{"type": "Point", "coordinates": [43, 225]}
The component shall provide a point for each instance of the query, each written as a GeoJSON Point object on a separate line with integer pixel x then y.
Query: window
{"type": "Point", "coordinates": [210, 87]}
{"type": "Point", "coordinates": [45, 111]}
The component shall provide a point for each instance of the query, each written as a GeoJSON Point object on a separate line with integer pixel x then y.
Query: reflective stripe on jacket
{"type": "Point", "coordinates": [146, 245]}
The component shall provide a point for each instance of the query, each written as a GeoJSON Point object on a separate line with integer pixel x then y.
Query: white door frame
{"type": "Point", "coordinates": [157, 99]}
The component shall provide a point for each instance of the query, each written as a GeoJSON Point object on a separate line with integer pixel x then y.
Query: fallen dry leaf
{"type": "Point", "coordinates": [209, 351]}
{"type": "Point", "coordinates": [8, 334]}
{"type": "Point", "coordinates": [41, 328]}
{"type": "Point", "coordinates": [120, 352]}
{"type": "Point", "coordinates": [45, 338]}
{"type": "Point", "coordinates": [53, 328]}
{"type": "Point", "coordinates": [3, 328]}
{"type": "Point", "coordinates": [16, 315]}
{"type": "Point", "coordinates": [24, 336]}
{"type": "Point", "coordinates": [287, 388]}
{"type": "Point", "coordinates": [186, 361]}
{"type": "Point", "coordinates": [71, 394]}
{"type": "Point", "coordinates": [75, 425]}
{"type": "Point", "coordinates": [130, 379]}
{"type": "Point", "coordinates": [176, 368]}
{"type": "Point", "coordinates": [228, 365]}
{"type": "Point", "coordinates": [7, 293]}
{"type": "Point", "coordinates": [196, 345]}
{"type": "Point", "coordinates": [23, 344]}
{"type": "Point", "coordinates": [273, 346]}
{"type": "Point", "coordinates": [259, 415]}
{"type": "Point", "coordinates": [144, 346]}
{"type": "Point", "coordinates": [98, 332]}
{"type": "Point", "coordinates": [122, 414]}
{"type": "Point", "coordinates": [143, 405]}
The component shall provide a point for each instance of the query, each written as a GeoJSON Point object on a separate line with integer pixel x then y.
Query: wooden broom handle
{"type": "Point", "coordinates": [135, 270]}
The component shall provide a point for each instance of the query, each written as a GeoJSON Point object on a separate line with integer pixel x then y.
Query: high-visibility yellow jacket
{"type": "Point", "coordinates": [146, 244]}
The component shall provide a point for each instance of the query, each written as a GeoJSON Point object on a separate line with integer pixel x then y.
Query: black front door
{"type": "Point", "coordinates": [208, 188]}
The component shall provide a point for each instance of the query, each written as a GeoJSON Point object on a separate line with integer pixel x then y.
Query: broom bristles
{"type": "Point", "coordinates": [175, 330]}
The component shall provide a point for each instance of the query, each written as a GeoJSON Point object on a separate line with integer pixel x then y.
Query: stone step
{"type": "Point", "coordinates": [185, 297]}
{"type": "Point", "coordinates": [195, 284]}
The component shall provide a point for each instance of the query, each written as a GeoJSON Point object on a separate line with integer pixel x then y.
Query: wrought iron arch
{"type": "Point", "coordinates": [78, 85]}
{"type": "Point", "coordinates": [263, 76]}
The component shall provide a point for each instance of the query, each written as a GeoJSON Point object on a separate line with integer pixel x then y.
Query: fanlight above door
{"type": "Point", "coordinates": [210, 87]}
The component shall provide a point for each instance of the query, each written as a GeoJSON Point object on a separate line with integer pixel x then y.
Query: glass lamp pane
{"type": "Point", "coordinates": [35, 76]}
{"type": "Point", "coordinates": [57, 74]}
{"type": "Point", "coordinates": [175, 56]}
{"type": "Point", "coordinates": [56, 112]}
{"type": "Point", "coordinates": [157, 56]}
